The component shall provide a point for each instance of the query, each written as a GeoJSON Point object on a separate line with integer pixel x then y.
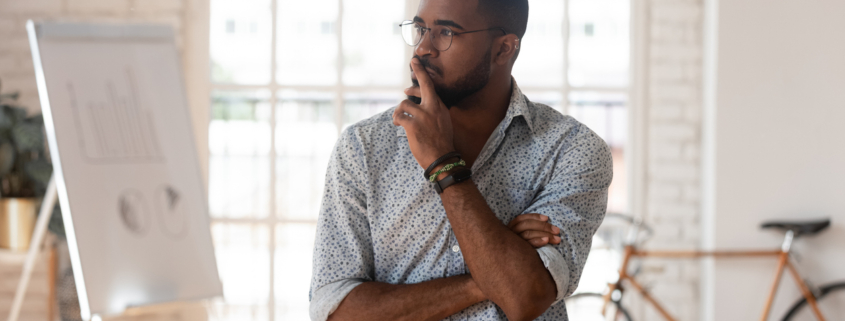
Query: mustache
{"type": "Point", "coordinates": [427, 64]}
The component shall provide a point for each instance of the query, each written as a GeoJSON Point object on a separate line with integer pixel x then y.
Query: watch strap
{"type": "Point", "coordinates": [458, 176]}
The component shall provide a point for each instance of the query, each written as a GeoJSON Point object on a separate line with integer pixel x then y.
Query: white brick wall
{"type": "Point", "coordinates": [16, 68]}
{"type": "Point", "coordinates": [673, 131]}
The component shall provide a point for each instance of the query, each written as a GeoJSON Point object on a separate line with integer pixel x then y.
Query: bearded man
{"type": "Point", "coordinates": [467, 201]}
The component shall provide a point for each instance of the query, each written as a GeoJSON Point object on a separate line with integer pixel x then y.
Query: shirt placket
{"type": "Point", "coordinates": [457, 266]}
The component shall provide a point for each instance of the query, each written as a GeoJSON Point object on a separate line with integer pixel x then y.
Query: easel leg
{"type": "Point", "coordinates": [34, 246]}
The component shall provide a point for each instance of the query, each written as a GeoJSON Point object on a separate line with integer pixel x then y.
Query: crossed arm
{"type": "Point", "coordinates": [440, 298]}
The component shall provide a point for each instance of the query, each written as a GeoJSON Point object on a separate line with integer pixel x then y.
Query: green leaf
{"type": "Point", "coordinates": [57, 225]}
{"type": "Point", "coordinates": [7, 157]}
{"type": "Point", "coordinates": [37, 119]}
{"type": "Point", "coordinates": [6, 122]}
{"type": "Point", "coordinates": [39, 171]}
{"type": "Point", "coordinates": [15, 113]}
{"type": "Point", "coordinates": [28, 137]}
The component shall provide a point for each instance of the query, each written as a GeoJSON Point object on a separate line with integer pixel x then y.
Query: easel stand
{"type": "Point", "coordinates": [44, 214]}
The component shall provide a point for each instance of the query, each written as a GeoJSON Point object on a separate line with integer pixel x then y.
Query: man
{"type": "Point", "coordinates": [391, 246]}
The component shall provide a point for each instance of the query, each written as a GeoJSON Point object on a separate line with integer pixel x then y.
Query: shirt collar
{"type": "Point", "coordinates": [518, 107]}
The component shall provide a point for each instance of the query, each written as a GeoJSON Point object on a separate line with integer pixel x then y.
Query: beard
{"type": "Point", "coordinates": [465, 86]}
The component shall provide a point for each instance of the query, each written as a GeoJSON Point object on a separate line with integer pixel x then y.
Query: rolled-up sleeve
{"type": "Point", "coordinates": [575, 199]}
{"type": "Point", "coordinates": [343, 250]}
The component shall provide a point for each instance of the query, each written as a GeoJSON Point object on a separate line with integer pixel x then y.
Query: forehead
{"type": "Point", "coordinates": [462, 12]}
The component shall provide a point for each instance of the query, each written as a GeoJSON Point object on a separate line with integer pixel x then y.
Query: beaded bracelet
{"type": "Point", "coordinates": [446, 168]}
{"type": "Point", "coordinates": [443, 158]}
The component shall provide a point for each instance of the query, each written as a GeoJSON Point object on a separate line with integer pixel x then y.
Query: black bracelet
{"type": "Point", "coordinates": [458, 176]}
{"type": "Point", "coordinates": [443, 158]}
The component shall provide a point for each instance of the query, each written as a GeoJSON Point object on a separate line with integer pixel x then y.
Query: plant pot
{"type": "Point", "coordinates": [17, 220]}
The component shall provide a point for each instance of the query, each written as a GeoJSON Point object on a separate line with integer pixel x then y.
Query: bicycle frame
{"type": "Point", "coordinates": [784, 262]}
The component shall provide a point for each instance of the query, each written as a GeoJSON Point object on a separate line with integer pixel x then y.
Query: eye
{"type": "Point", "coordinates": [446, 32]}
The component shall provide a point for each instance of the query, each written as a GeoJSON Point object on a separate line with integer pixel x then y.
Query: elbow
{"type": "Point", "coordinates": [525, 312]}
{"type": "Point", "coordinates": [529, 306]}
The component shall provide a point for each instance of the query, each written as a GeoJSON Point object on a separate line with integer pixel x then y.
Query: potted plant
{"type": "Point", "coordinates": [25, 170]}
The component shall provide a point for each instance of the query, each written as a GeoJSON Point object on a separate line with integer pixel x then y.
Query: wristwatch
{"type": "Point", "coordinates": [458, 176]}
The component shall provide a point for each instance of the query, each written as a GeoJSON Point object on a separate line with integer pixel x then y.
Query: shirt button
{"type": "Point", "coordinates": [455, 248]}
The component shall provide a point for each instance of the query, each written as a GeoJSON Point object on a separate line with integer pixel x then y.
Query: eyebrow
{"type": "Point", "coordinates": [449, 23]}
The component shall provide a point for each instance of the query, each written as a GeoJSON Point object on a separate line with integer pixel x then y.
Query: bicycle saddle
{"type": "Point", "coordinates": [798, 227]}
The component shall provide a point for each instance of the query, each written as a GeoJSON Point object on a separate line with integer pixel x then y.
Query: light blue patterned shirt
{"type": "Point", "coordinates": [381, 221]}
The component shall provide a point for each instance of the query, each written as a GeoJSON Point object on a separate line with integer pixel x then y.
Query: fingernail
{"type": "Point", "coordinates": [544, 218]}
{"type": "Point", "coordinates": [545, 239]}
{"type": "Point", "coordinates": [557, 239]}
{"type": "Point", "coordinates": [555, 229]}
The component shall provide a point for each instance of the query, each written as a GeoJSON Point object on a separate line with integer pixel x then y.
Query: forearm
{"type": "Point", "coordinates": [431, 300]}
{"type": "Point", "coordinates": [507, 268]}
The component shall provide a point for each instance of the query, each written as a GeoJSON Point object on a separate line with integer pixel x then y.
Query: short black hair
{"type": "Point", "coordinates": [509, 14]}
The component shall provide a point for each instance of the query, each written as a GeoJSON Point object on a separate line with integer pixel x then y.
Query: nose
{"type": "Point", "coordinates": [426, 47]}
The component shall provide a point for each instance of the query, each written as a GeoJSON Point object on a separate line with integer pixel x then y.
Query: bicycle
{"type": "Point", "coordinates": [608, 305]}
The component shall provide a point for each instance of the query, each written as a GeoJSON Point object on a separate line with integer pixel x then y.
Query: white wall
{"type": "Point", "coordinates": [778, 144]}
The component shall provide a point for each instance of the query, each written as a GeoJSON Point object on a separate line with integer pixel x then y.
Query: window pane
{"type": "Point", "coordinates": [549, 98]}
{"type": "Point", "coordinates": [306, 131]}
{"type": "Point", "coordinates": [294, 250]}
{"type": "Point", "coordinates": [240, 123]}
{"type": "Point", "coordinates": [306, 45]}
{"type": "Point", "coordinates": [540, 61]}
{"type": "Point", "coordinates": [607, 115]}
{"type": "Point", "coordinates": [373, 50]}
{"type": "Point", "coordinates": [239, 142]}
{"type": "Point", "coordinates": [598, 43]}
{"type": "Point", "coordinates": [243, 261]}
{"type": "Point", "coordinates": [240, 34]}
{"type": "Point", "coordinates": [360, 106]}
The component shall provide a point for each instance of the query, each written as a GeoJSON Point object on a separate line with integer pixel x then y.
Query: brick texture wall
{"type": "Point", "coordinates": [16, 68]}
{"type": "Point", "coordinates": [673, 167]}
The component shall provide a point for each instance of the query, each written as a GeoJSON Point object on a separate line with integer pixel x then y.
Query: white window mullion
{"type": "Point", "coordinates": [564, 104]}
{"type": "Point", "coordinates": [338, 99]}
{"type": "Point", "coordinates": [271, 310]}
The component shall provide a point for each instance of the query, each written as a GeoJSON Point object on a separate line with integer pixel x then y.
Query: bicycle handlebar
{"type": "Point", "coordinates": [636, 224]}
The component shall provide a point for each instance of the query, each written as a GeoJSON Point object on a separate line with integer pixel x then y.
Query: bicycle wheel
{"type": "Point", "coordinates": [831, 302]}
{"type": "Point", "coordinates": [587, 307]}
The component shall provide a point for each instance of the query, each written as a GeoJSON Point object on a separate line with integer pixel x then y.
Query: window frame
{"type": "Point", "coordinates": [200, 88]}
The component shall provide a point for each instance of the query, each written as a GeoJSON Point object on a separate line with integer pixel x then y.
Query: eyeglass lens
{"type": "Point", "coordinates": [441, 37]}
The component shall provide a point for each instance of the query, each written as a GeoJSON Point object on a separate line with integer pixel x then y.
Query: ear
{"type": "Point", "coordinates": [505, 49]}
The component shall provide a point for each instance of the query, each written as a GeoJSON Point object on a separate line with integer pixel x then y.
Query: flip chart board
{"type": "Point", "coordinates": [125, 163]}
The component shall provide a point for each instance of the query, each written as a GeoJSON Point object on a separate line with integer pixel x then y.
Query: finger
{"type": "Point", "coordinates": [528, 216]}
{"type": "Point", "coordinates": [413, 91]}
{"type": "Point", "coordinates": [427, 92]}
{"type": "Point", "coordinates": [404, 113]}
{"type": "Point", "coordinates": [532, 234]}
{"type": "Point", "coordinates": [536, 227]}
{"type": "Point", "coordinates": [539, 242]}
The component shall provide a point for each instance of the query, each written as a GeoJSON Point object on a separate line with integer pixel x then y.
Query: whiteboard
{"type": "Point", "coordinates": [125, 163]}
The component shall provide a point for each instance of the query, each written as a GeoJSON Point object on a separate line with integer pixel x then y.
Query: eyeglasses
{"type": "Point", "coordinates": [441, 36]}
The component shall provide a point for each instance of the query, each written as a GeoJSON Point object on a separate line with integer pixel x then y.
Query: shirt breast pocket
{"type": "Point", "coordinates": [508, 202]}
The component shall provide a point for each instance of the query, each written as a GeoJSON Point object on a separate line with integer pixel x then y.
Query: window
{"type": "Point", "coordinates": [287, 76]}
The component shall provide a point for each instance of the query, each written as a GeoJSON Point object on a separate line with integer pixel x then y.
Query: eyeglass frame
{"type": "Point", "coordinates": [454, 33]}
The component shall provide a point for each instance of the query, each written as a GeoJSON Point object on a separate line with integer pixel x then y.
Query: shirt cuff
{"type": "Point", "coordinates": [327, 298]}
{"type": "Point", "coordinates": [558, 268]}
